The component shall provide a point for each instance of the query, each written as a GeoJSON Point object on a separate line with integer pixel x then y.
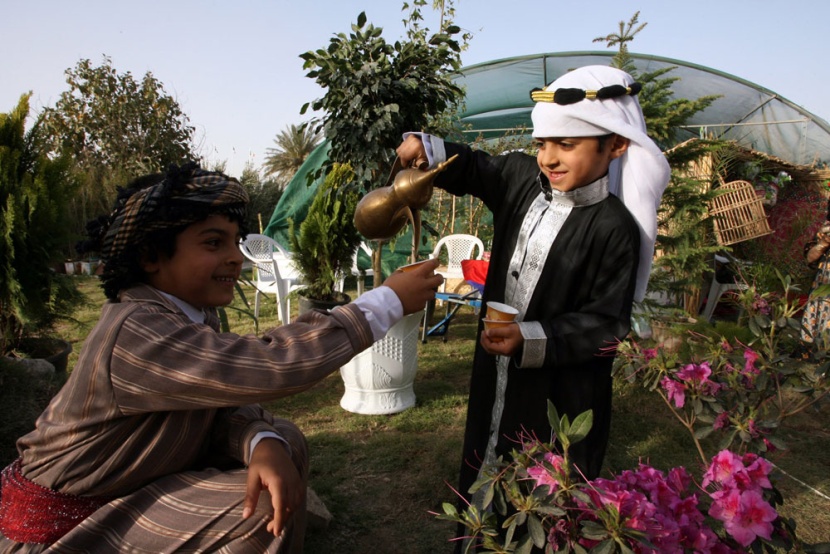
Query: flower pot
{"type": "Point", "coordinates": [670, 332]}
{"type": "Point", "coordinates": [379, 380]}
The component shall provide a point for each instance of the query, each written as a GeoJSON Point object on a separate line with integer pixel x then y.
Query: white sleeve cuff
{"type": "Point", "coordinates": [382, 309]}
{"type": "Point", "coordinates": [266, 435]}
{"type": "Point", "coordinates": [533, 351]}
{"type": "Point", "coordinates": [433, 146]}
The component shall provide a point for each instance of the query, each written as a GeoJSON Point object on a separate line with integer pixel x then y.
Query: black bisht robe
{"type": "Point", "coordinates": [583, 301]}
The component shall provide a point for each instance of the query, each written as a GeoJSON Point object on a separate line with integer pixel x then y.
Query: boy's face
{"type": "Point", "coordinates": [571, 163]}
{"type": "Point", "coordinates": [205, 267]}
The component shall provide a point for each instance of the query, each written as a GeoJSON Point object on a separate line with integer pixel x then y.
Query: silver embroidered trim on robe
{"type": "Point", "coordinates": [540, 227]}
{"type": "Point", "coordinates": [533, 352]}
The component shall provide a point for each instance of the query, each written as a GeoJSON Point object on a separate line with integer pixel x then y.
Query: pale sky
{"type": "Point", "coordinates": [234, 65]}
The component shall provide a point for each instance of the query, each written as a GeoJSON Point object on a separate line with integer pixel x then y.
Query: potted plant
{"type": "Point", "coordinates": [35, 191]}
{"type": "Point", "coordinates": [323, 245]}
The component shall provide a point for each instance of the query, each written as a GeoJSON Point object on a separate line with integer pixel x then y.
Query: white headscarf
{"type": "Point", "coordinates": [639, 176]}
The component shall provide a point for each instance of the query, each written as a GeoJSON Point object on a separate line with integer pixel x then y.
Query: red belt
{"type": "Point", "coordinates": [30, 513]}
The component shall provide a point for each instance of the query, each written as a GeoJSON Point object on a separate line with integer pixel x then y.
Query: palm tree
{"type": "Point", "coordinates": [293, 145]}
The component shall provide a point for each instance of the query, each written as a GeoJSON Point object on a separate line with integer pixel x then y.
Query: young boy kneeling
{"type": "Point", "coordinates": [144, 448]}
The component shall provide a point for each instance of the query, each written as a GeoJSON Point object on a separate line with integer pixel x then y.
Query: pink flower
{"type": "Point", "coordinates": [739, 504]}
{"type": "Point", "coordinates": [710, 388]}
{"type": "Point", "coordinates": [649, 353]}
{"type": "Point", "coordinates": [758, 470]}
{"type": "Point", "coordinates": [695, 373]}
{"type": "Point", "coordinates": [751, 357]}
{"type": "Point", "coordinates": [761, 305]}
{"type": "Point", "coordinates": [722, 421]}
{"type": "Point", "coordinates": [754, 519]}
{"type": "Point", "coordinates": [558, 536]}
{"type": "Point", "coordinates": [674, 390]}
{"type": "Point", "coordinates": [725, 504]}
{"type": "Point", "coordinates": [543, 475]}
{"type": "Point", "coordinates": [725, 465]}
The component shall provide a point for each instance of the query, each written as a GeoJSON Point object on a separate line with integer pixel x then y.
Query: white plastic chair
{"type": "Point", "coordinates": [459, 247]}
{"type": "Point", "coordinates": [717, 288]}
{"type": "Point", "coordinates": [274, 272]}
{"type": "Point", "coordinates": [361, 274]}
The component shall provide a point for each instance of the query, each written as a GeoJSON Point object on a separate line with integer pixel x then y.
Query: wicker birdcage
{"type": "Point", "coordinates": [738, 214]}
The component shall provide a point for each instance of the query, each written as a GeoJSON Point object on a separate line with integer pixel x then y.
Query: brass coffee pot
{"type": "Point", "coordinates": [383, 212]}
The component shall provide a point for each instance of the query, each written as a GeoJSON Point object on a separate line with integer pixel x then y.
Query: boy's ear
{"type": "Point", "coordinates": [619, 146]}
{"type": "Point", "coordinates": [149, 261]}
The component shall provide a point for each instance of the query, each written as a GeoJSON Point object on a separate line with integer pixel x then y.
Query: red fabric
{"type": "Point", "coordinates": [33, 514]}
{"type": "Point", "coordinates": [475, 270]}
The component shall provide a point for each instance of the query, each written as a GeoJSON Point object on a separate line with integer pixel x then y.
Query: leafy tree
{"type": "Point", "coordinates": [34, 193]}
{"type": "Point", "coordinates": [112, 120]}
{"type": "Point", "coordinates": [375, 91]}
{"type": "Point", "coordinates": [115, 127]}
{"type": "Point", "coordinates": [293, 145]}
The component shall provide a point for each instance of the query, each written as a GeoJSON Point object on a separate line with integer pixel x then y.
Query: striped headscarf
{"type": "Point", "coordinates": [173, 202]}
{"type": "Point", "coordinates": [153, 203]}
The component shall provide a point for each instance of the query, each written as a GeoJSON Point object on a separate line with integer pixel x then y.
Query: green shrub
{"type": "Point", "coordinates": [35, 191]}
{"type": "Point", "coordinates": [324, 246]}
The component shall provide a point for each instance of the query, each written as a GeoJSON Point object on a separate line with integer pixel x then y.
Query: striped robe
{"type": "Point", "coordinates": [151, 415]}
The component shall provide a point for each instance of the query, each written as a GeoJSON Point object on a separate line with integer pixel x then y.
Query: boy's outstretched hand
{"type": "Point", "coordinates": [271, 468]}
{"type": "Point", "coordinates": [416, 287]}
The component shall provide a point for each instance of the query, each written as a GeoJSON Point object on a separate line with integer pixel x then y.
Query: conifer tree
{"type": "Point", "coordinates": [685, 243]}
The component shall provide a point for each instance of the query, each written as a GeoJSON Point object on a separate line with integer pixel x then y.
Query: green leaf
{"type": "Point", "coordinates": [450, 509]}
{"type": "Point", "coordinates": [605, 547]}
{"type": "Point", "coordinates": [581, 426]}
{"type": "Point", "coordinates": [537, 532]}
{"type": "Point", "coordinates": [525, 545]}
{"type": "Point", "coordinates": [703, 432]}
{"type": "Point", "coordinates": [553, 418]}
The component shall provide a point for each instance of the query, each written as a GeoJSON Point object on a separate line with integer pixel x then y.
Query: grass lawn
{"type": "Point", "coordinates": [381, 476]}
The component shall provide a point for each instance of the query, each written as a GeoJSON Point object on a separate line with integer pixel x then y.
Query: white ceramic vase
{"type": "Point", "coordinates": [379, 379]}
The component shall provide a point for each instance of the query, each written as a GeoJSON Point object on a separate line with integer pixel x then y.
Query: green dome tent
{"type": "Point", "coordinates": [498, 101]}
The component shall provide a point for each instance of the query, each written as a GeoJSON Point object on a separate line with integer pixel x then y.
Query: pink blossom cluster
{"type": "Point", "coordinates": [691, 377]}
{"type": "Point", "coordinates": [542, 474]}
{"type": "Point", "coordinates": [697, 379]}
{"type": "Point", "coordinates": [739, 502]}
{"type": "Point", "coordinates": [661, 507]}
{"type": "Point", "coordinates": [659, 512]}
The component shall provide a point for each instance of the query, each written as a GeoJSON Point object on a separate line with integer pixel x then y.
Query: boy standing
{"type": "Point", "coordinates": [145, 447]}
{"type": "Point", "coordinates": [574, 235]}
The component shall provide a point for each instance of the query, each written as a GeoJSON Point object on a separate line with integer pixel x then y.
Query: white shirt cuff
{"type": "Point", "coordinates": [266, 435]}
{"type": "Point", "coordinates": [433, 146]}
{"type": "Point", "coordinates": [382, 309]}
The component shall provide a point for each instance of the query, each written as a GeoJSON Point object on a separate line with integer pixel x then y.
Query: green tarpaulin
{"type": "Point", "coordinates": [294, 203]}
